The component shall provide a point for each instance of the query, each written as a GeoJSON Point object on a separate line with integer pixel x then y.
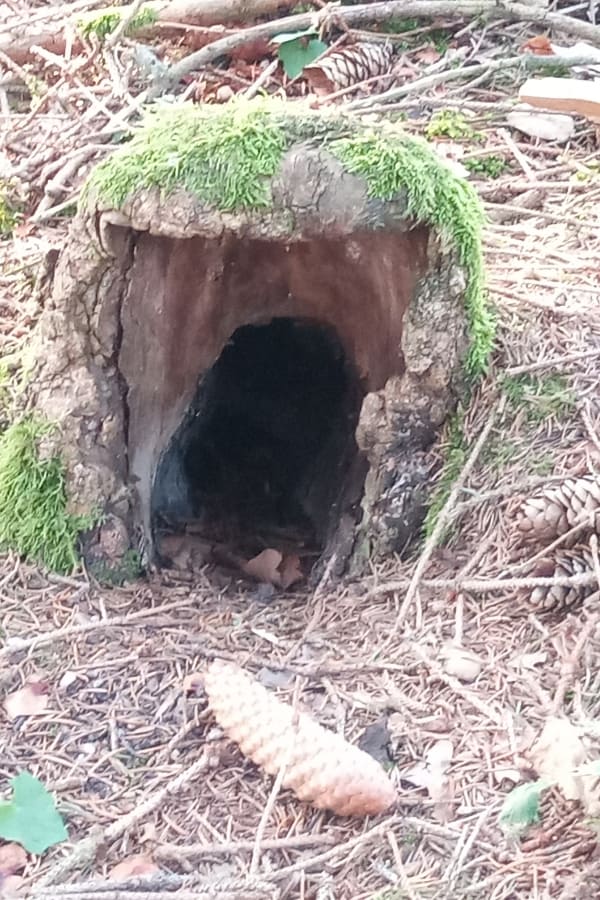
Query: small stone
{"type": "Point", "coordinates": [461, 662]}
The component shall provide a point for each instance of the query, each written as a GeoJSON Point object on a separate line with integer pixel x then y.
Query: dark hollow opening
{"type": "Point", "coordinates": [266, 453]}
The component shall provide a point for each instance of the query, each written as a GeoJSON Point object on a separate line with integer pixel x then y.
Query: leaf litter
{"type": "Point", "coordinates": [543, 278]}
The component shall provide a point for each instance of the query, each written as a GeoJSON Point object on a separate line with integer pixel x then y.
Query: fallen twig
{"type": "Point", "coordinates": [16, 644]}
{"type": "Point", "coordinates": [380, 12]}
{"type": "Point", "coordinates": [444, 518]}
{"type": "Point", "coordinates": [485, 585]}
{"type": "Point", "coordinates": [528, 62]}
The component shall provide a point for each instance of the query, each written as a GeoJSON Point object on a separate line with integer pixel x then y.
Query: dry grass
{"type": "Point", "coordinates": [137, 763]}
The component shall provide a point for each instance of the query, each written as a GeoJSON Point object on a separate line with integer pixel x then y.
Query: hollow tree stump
{"type": "Point", "coordinates": [260, 312]}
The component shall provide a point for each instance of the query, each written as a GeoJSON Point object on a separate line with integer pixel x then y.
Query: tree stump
{"type": "Point", "coordinates": [260, 320]}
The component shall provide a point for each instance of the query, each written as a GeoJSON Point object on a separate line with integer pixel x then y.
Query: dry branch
{"type": "Point", "coordinates": [381, 12]}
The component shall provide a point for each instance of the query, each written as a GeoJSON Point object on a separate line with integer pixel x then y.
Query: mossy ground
{"type": "Point", "coordinates": [103, 24]}
{"type": "Point", "coordinates": [33, 500]}
{"type": "Point", "coordinates": [227, 155]}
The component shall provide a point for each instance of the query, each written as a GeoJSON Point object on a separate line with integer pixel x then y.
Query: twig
{"type": "Point", "coordinates": [44, 15]}
{"type": "Point", "coordinates": [444, 518]}
{"type": "Point", "coordinates": [485, 585]}
{"type": "Point", "coordinates": [262, 79]}
{"type": "Point", "coordinates": [15, 644]}
{"type": "Point", "coordinates": [82, 850]}
{"type": "Point", "coordinates": [231, 848]}
{"type": "Point", "coordinates": [266, 813]}
{"type": "Point", "coordinates": [340, 849]}
{"type": "Point", "coordinates": [379, 12]}
{"type": "Point", "coordinates": [554, 362]}
{"type": "Point", "coordinates": [126, 20]}
{"type": "Point", "coordinates": [537, 213]}
{"type": "Point", "coordinates": [404, 879]}
{"type": "Point", "coordinates": [518, 154]}
{"type": "Point", "coordinates": [527, 62]}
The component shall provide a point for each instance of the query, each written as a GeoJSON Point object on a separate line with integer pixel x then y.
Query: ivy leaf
{"type": "Point", "coordinates": [298, 49]}
{"type": "Point", "coordinates": [31, 818]}
{"type": "Point", "coordinates": [522, 806]}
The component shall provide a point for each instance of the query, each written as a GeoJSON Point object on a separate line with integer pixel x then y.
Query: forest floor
{"type": "Point", "coordinates": [119, 730]}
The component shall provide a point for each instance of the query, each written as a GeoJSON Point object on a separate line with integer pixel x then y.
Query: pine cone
{"type": "Point", "coordinates": [577, 561]}
{"type": "Point", "coordinates": [349, 66]}
{"type": "Point", "coordinates": [556, 510]}
{"type": "Point", "coordinates": [321, 767]}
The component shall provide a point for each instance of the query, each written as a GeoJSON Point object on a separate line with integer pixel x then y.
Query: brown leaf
{"type": "Point", "coordinates": [30, 700]}
{"type": "Point", "coordinates": [290, 571]}
{"type": "Point", "coordinates": [428, 55]}
{"type": "Point", "coordinates": [264, 567]}
{"type": "Point", "coordinates": [540, 45]}
{"type": "Point", "coordinates": [12, 859]}
{"type": "Point", "coordinates": [133, 866]}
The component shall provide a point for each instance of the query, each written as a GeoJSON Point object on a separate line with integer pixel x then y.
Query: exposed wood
{"type": "Point", "coordinates": [568, 95]}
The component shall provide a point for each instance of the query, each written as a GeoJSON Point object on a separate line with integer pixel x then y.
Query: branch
{"type": "Point", "coordinates": [381, 12]}
{"type": "Point", "coordinates": [528, 61]}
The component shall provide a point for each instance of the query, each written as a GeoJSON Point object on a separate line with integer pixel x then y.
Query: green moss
{"type": "Point", "coordinates": [490, 166]}
{"type": "Point", "coordinates": [449, 123]}
{"type": "Point", "coordinates": [33, 502]}
{"type": "Point", "coordinates": [9, 215]}
{"type": "Point", "coordinates": [223, 155]}
{"type": "Point", "coordinates": [227, 155]}
{"type": "Point", "coordinates": [110, 18]}
{"type": "Point", "coordinates": [128, 569]}
{"type": "Point", "coordinates": [541, 396]}
{"type": "Point", "coordinates": [392, 163]}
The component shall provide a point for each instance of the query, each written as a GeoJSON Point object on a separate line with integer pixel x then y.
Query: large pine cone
{"type": "Point", "coordinates": [321, 767]}
{"type": "Point", "coordinates": [564, 563]}
{"type": "Point", "coordinates": [556, 510]}
{"type": "Point", "coordinates": [351, 65]}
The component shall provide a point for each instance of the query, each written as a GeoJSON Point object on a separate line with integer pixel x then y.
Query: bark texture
{"type": "Point", "coordinates": [145, 298]}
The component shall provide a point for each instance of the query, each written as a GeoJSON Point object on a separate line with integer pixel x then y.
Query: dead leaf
{"type": "Point", "coordinates": [12, 859]}
{"type": "Point", "coordinates": [431, 772]}
{"type": "Point", "coordinates": [432, 775]}
{"type": "Point", "coordinates": [557, 755]}
{"type": "Point", "coordinates": [507, 774]}
{"type": "Point", "coordinates": [148, 832]}
{"type": "Point", "coordinates": [133, 867]}
{"type": "Point", "coordinates": [264, 567]}
{"type": "Point", "coordinates": [528, 660]}
{"type": "Point", "coordinates": [540, 45]}
{"type": "Point", "coordinates": [461, 662]}
{"type": "Point", "coordinates": [30, 700]}
{"type": "Point", "coordinates": [428, 55]}
{"type": "Point", "coordinates": [545, 126]}
{"type": "Point", "coordinates": [290, 571]}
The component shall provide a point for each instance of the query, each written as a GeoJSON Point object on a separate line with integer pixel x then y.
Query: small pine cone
{"type": "Point", "coordinates": [349, 66]}
{"type": "Point", "coordinates": [556, 510]}
{"type": "Point", "coordinates": [565, 563]}
{"type": "Point", "coordinates": [321, 767]}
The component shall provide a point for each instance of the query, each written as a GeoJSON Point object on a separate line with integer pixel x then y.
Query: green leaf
{"type": "Point", "coordinates": [522, 806]}
{"type": "Point", "coordinates": [293, 36]}
{"type": "Point", "coordinates": [31, 818]}
{"type": "Point", "coordinates": [297, 53]}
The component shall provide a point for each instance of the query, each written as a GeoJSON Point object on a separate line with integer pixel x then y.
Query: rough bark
{"type": "Point", "coordinates": [145, 298]}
